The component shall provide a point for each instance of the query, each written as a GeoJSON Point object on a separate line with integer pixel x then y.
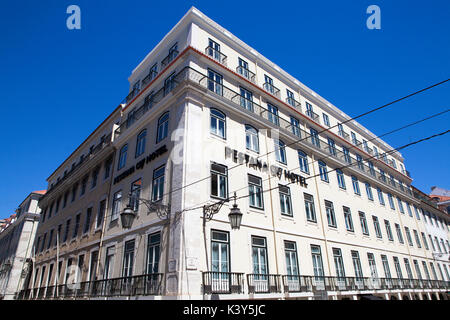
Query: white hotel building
{"type": "Point", "coordinates": [208, 116]}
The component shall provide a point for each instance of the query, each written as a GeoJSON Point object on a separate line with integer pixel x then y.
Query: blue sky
{"type": "Point", "coordinates": [57, 85]}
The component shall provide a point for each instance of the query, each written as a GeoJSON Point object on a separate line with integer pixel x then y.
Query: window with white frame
{"type": "Point", "coordinates": [218, 123]}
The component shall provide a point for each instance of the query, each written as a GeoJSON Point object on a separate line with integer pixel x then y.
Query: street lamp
{"type": "Point", "coordinates": [235, 215]}
{"type": "Point", "coordinates": [127, 216]}
{"type": "Point", "coordinates": [129, 213]}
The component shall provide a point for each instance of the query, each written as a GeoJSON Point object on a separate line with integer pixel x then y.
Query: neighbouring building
{"type": "Point", "coordinates": [16, 243]}
{"type": "Point", "coordinates": [442, 196]}
{"type": "Point", "coordinates": [328, 208]}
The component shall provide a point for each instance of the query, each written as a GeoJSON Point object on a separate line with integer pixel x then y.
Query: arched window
{"type": "Point", "coordinates": [303, 160]}
{"type": "Point", "coordinates": [280, 151]}
{"type": "Point", "coordinates": [251, 138]}
{"type": "Point", "coordinates": [140, 143]}
{"type": "Point", "coordinates": [218, 123]}
{"type": "Point", "coordinates": [163, 127]}
{"type": "Point", "coordinates": [323, 171]}
{"type": "Point", "coordinates": [122, 157]}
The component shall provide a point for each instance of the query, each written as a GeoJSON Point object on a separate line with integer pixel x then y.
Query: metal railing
{"type": "Point", "coordinates": [216, 55]}
{"type": "Point", "coordinates": [264, 283]}
{"type": "Point", "coordinates": [271, 89]}
{"type": "Point", "coordinates": [169, 58]}
{"type": "Point", "coordinates": [312, 115]}
{"type": "Point", "coordinates": [246, 73]}
{"type": "Point", "coordinates": [291, 101]}
{"type": "Point", "coordinates": [148, 78]}
{"type": "Point", "coordinates": [222, 282]}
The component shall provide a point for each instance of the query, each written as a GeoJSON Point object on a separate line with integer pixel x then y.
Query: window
{"type": "Point", "coordinates": [376, 226]}
{"type": "Point", "coordinates": [285, 200]}
{"type": "Point", "coordinates": [309, 207]}
{"type": "Point", "coordinates": [348, 219]}
{"type": "Point", "coordinates": [416, 266]}
{"type": "Point", "coordinates": [158, 183]}
{"type": "Point", "coordinates": [246, 99]}
{"type": "Point", "coordinates": [424, 239]}
{"type": "Point", "coordinates": [323, 171]}
{"type": "Point", "coordinates": [387, 271]}
{"type": "Point", "coordinates": [101, 213]}
{"type": "Point", "coordinates": [309, 110]}
{"type": "Point", "coordinates": [432, 244]}
{"type": "Point", "coordinates": [317, 261]}
{"type": "Point", "coordinates": [371, 168]}
{"type": "Point", "coordinates": [290, 252]}
{"type": "Point", "coordinates": [330, 213]}
{"type": "Point", "coordinates": [213, 49]}
{"type": "Point", "coordinates": [326, 119]}
{"type": "Point", "coordinates": [331, 147]}
{"type": "Point", "coordinates": [268, 84]}
{"type": "Point", "coordinates": [314, 137]}
{"type": "Point", "coordinates": [398, 269]}
{"type": "Point", "coordinates": [417, 212]}
{"type": "Point", "coordinates": [340, 178]}
{"type": "Point", "coordinates": [388, 230]}
{"type": "Point", "coordinates": [303, 161]}
{"type": "Point", "coordinates": [122, 157]}
{"type": "Point", "coordinates": [380, 196]}
{"type": "Point", "coordinates": [346, 153]}
{"type": "Point", "coordinates": [169, 83]}
{"type": "Point", "coordinates": [357, 264]}
{"type": "Point", "coordinates": [66, 196]}
{"type": "Point", "coordinates": [219, 181]}
{"type": "Point", "coordinates": [43, 242]}
{"type": "Point", "coordinates": [433, 270]}
{"type": "Point", "coordinates": [108, 165]}
{"type": "Point", "coordinates": [391, 201]}
{"type": "Point", "coordinates": [243, 68]}
{"type": "Point", "coordinates": [251, 138]}
{"type": "Point", "coordinates": [153, 252]}
{"type": "Point", "coordinates": [359, 161]}
{"type": "Point", "coordinates": [215, 81]}
{"type": "Point", "coordinates": [290, 97]}
{"type": "Point", "coordinates": [163, 127]}
{"type": "Point", "coordinates": [135, 194]}
{"type": "Point", "coordinates": [84, 182]}
{"type": "Point", "coordinates": [109, 262]}
{"type": "Point", "coordinates": [399, 233]}
{"type": "Point", "coordinates": [362, 219]}
{"type": "Point", "coordinates": [353, 137]}
{"type": "Point", "coordinates": [369, 191]}
{"type": "Point", "coordinates": [272, 114]}
{"type": "Point", "coordinates": [280, 151]}
{"type": "Point", "coordinates": [259, 256]}
{"type": "Point", "coordinates": [80, 267]}
{"type": "Point", "coordinates": [66, 233]}
{"type": "Point", "coordinates": [295, 127]}
{"type": "Point", "coordinates": [87, 222]}
{"type": "Point", "coordinates": [218, 123]}
{"type": "Point", "coordinates": [50, 239]}
{"type": "Point", "coordinates": [416, 236]}
{"type": "Point", "coordinates": [77, 225]}
{"type": "Point", "coordinates": [95, 177]}
{"type": "Point", "coordinates": [408, 236]}
{"type": "Point", "coordinates": [338, 263]}
{"type": "Point", "coordinates": [93, 266]}
{"type": "Point", "coordinates": [408, 268]}
{"type": "Point", "coordinates": [400, 205]}
{"type": "Point", "coordinates": [220, 253]}
{"type": "Point", "coordinates": [408, 207]}
{"type": "Point", "coordinates": [255, 192]}
{"type": "Point", "coordinates": [140, 143]}
{"type": "Point", "coordinates": [128, 259]}
{"type": "Point", "coordinates": [57, 205]}
{"type": "Point", "coordinates": [382, 176]}
{"type": "Point", "coordinates": [372, 265]}
{"type": "Point", "coordinates": [355, 184]}
{"type": "Point", "coordinates": [116, 205]}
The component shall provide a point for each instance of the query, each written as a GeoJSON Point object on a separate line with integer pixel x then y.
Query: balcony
{"type": "Point", "coordinates": [246, 73]}
{"type": "Point", "coordinates": [344, 135]}
{"type": "Point", "coordinates": [264, 283]}
{"type": "Point", "coordinates": [148, 78]}
{"type": "Point", "coordinates": [223, 283]}
{"type": "Point", "coordinates": [271, 89]}
{"type": "Point", "coordinates": [216, 55]}
{"type": "Point", "coordinates": [169, 58]}
{"type": "Point", "coordinates": [291, 101]}
{"type": "Point", "coordinates": [312, 115]}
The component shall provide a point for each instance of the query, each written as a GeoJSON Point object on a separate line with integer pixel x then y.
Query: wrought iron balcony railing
{"type": "Point", "coordinates": [216, 55]}
{"type": "Point", "coordinates": [264, 283]}
{"type": "Point", "coordinates": [169, 58]}
{"type": "Point", "coordinates": [312, 115]}
{"type": "Point", "coordinates": [223, 282]}
{"type": "Point", "coordinates": [294, 103]}
{"type": "Point", "coordinates": [148, 78]}
{"type": "Point", "coordinates": [271, 89]}
{"type": "Point", "coordinates": [246, 73]}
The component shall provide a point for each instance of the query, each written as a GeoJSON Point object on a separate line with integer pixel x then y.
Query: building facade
{"type": "Point", "coordinates": [326, 204]}
{"type": "Point", "coordinates": [16, 243]}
